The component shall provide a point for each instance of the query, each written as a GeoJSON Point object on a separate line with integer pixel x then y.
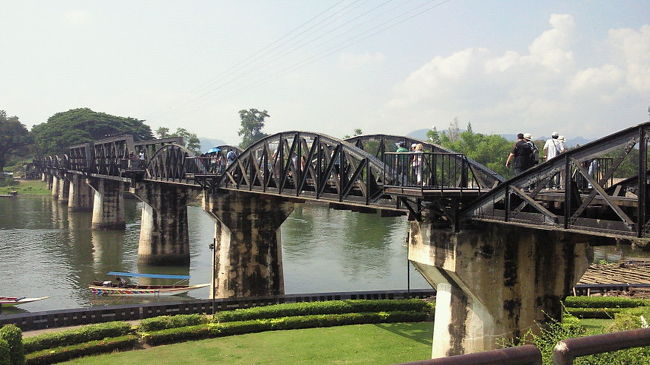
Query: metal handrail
{"type": "Point", "coordinates": [520, 355]}
{"type": "Point", "coordinates": [567, 350]}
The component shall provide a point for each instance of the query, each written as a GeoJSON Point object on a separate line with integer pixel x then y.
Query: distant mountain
{"type": "Point", "coordinates": [207, 143]}
{"type": "Point", "coordinates": [571, 142]}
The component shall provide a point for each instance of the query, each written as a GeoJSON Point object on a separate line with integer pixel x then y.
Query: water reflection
{"type": "Point", "coordinates": [47, 251]}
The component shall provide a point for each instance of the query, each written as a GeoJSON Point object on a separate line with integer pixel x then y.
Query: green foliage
{"type": "Point", "coordinates": [356, 132]}
{"type": "Point", "coordinates": [14, 337]}
{"type": "Point", "coordinates": [76, 126]}
{"type": "Point", "coordinates": [326, 307]}
{"type": "Point", "coordinates": [14, 138]}
{"type": "Point", "coordinates": [604, 302]}
{"type": "Point", "coordinates": [172, 335]}
{"type": "Point", "coordinates": [602, 313]}
{"type": "Point", "coordinates": [63, 353]}
{"type": "Point", "coordinates": [252, 122]}
{"type": "Point", "coordinates": [164, 322]}
{"type": "Point", "coordinates": [490, 150]}
{"type": "Point", "coordinates": [76, 336]}
{"type": "Point", "coordinates": [9, 182]}
{"type": "Point", "coordinates": [629, 319]}
{"type": "Point", "coordinates": [5, 353]}
{"type": "Point", "coordinates": [190, 140]}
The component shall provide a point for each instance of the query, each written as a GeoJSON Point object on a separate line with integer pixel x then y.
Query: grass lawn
{"type": "Point", "coordinates": [27, 187]}
{"type": "Point", "coordinates": [595, 324]}
{"type": "Point", "coordinates": [386, 343]}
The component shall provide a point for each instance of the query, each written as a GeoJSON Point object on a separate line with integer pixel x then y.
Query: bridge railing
{"type": "Point", "coordinates": [576, 190]}
{"type": "Point", "coordinates": [430, 171]}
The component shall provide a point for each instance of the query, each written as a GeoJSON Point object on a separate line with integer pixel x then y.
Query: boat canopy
{"type": "Point", "coordinates": [153, 276]}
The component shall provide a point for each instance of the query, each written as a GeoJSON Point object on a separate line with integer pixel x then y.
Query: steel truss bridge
{"type": "Point", "coordinates": [600, 188]}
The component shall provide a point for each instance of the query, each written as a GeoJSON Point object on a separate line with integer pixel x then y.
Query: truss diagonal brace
{"type": "Point", "coordinates": [535, 204]}
{"type": "Point", "coordinates": [629, 222]}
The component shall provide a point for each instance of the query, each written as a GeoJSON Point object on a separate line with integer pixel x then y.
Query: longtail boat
{"type": "Point", "coordinates": [9, 301]}
{"type": "Point", "coordinates": [107, 287]}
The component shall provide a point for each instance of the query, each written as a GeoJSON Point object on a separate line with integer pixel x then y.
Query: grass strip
{"type": "Point", "coordinates": [63, 353]}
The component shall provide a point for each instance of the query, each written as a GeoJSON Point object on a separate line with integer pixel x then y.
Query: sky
{"type": "Point", "coordinates": [385, 66]}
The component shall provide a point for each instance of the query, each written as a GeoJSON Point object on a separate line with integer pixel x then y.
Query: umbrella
{"type": "Point", "coordinates": [214, 150]}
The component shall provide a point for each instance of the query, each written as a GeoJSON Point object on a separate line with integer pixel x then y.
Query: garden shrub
{"type": "Point", "coordinates": [77, 336]}
{"type": "Point", "coordinates": [602, 313]}
{"type": "Point", "coordinates": [5, 356]}
{"type": "Point", "coordinates": [327, 307]}
{"type": "Point", "coordinates": [631, 319]}
{"type": "Point", "coordinates": [604, 302]}
{"type": "Point", "coordinates": [14, 337]}
{"type": "Point", "coordinates": [172, 335]}
{"type": "Point", "coordinates": [63, 353]}
{"type": "Point", "coordinates": [164, 322]}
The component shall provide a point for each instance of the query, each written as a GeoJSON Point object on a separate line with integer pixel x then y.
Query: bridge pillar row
{"type": "Point", "coordinates": [493, 281]}
{"type": "Point", "coordinates": [54, 186]}
{"type": "Point", "coordinates": [64, 189]}
{"type": "Point", "coordinates": [108, 204]}
{"type": "Point", "coordinates": [80, 196]}
{"type": "Point", "coordinates": [164, 237]}
{"type": "Point", "coordinates": [247, 243]}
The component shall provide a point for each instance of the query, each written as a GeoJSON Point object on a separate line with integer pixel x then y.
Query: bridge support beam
{"type": "Point", "coordinates": [64, 189]}
{"type": "Point", "coordinates": [108, 204]}
{"type": "Point", "coordinates": [80, 196]}
{"type": "Point", "coordinates": [164, 237]}
{"type": "Point", "coordinates": [494, 281]}
{"type": "Point", "coordinates": [54, 186]}
{"type": "Point", "coordinates": [247, 243]}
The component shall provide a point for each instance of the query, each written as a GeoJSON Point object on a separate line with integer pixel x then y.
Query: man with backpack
{"type": "Point", "coordinates": [522, 154]}
{"type": "Point", "coordinates": [534, 153]}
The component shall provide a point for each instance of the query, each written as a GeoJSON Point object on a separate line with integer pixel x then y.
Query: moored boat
{"type": "Point", "coordinates": [124, 289]}
{"type": "Point", "coordinates": [9, 301]}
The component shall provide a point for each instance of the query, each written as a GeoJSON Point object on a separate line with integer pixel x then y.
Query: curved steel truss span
{"type": "Point", "coordinates": [309, 166]}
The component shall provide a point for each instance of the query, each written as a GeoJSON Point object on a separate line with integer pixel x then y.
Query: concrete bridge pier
{"type": "Point", "coordinates": [43, 176]}
{"type": "Point", "coordinates": [494, 281]}
{"type": "Point", "coordinates": [164, 237]}
{"type": "Point", "coordinates": [80, 196]}
{"type": "Point", "coordinates": [108, 204]}
{"type": "Point", "coordinates": [247, 243]}
{"type": "Point", "coordinates": [54, 186]}
{"type": "Point", "coordinates": [64, 189]}
{"type": "Point", "coordinates": [48, 180]}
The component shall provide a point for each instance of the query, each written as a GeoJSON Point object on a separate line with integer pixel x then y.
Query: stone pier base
{"type": "Point", "coordinates": [54, 186]}
{"type": "Point", "coordinates": [64, 190]}
{"type": "Point", "coordinates": [494, 282]}
{"type": "Point", "coordinates": [164, 237]}
{"type": "Point", "coordinates": [80, 196]}
{"type": "Point", "coordinates": [108, 204]}
{"type": "Point", "coordinates": [248, 243]}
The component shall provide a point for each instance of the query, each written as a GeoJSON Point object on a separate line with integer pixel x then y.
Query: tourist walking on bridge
{"type": "Point", "coordinates": [552, 148]}
{"type": "Point", "coordinates": [521, 152]}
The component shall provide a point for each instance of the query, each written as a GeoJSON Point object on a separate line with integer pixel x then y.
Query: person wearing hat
{"type": "Point", "coordinates": [521, 153]}
{"type": "Point", "coordinates": [534, 151]}
{"type": "Point", "coordinates": [552, 148]}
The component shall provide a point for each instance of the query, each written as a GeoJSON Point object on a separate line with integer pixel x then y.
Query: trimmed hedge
{"type": "Point", "coordinates": [63, 353]}
{"type": "Point", "coordinates": [601, 313]}
{"type": "Point", "coordinates": [14, 337]}
{"type": "Point", "coordinates": [327, 307]}
{"type": "Point", "coordinates": [173, 335]}
{"type": "Point", "coordinates": [5, 354]}
{"type": "Point", "coordinates": [164, 322]}
{"type": "Point", "coordinates": [604, 302]}
{"type": "Point", "coordinates": [76, 336]}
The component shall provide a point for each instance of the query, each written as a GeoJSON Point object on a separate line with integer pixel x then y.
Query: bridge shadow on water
{"type": "Point", "coordinates": [412, 331]}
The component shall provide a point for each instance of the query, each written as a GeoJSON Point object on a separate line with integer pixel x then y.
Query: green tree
{"type": "Point", "coordinates": [75, 126]}
{"type": "Point", "coordinates": [356, 132]}
{"type": "Point", "coordinates": [434, 136]}
{"type": "Point", "coordinates": [190, 140]}
{"type": "Point", "coordinates": [252, 122]}
{"type": "Point", "coordinates": [14, 138]}
{"type": "Point", "coordinates": [163, 132]}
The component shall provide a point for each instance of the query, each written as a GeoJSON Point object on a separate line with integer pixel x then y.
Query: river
{"type": "Point", "coordinates": [47, 251]}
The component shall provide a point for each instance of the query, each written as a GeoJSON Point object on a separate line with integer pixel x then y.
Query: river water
{"type": "Point", "coordinates": [47, 251]}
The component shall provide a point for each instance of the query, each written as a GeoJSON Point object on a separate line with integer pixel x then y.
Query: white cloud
{"type": "Point", "coordinates": [351, 61]}
{"type": "Point", "coordinates": [78, 17]}
{"type": "Point", "coordinates": [538, 90]}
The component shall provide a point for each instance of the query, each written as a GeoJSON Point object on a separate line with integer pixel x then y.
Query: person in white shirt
{"type": "Point", "coordinates": [563, 147]}
{"type": "Point", "coordinates": [552, 147]}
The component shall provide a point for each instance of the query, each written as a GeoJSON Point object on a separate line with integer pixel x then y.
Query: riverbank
{"type": "Point", "coordinates": [27, 187]}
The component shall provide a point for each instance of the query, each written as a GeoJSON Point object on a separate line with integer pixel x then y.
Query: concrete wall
{"type": "Point", "coordinates": [248, 243]}
{"type": "Point", "coordinates": [494, 281]}
{"type": "Point", "coordinates": [108, 204]}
